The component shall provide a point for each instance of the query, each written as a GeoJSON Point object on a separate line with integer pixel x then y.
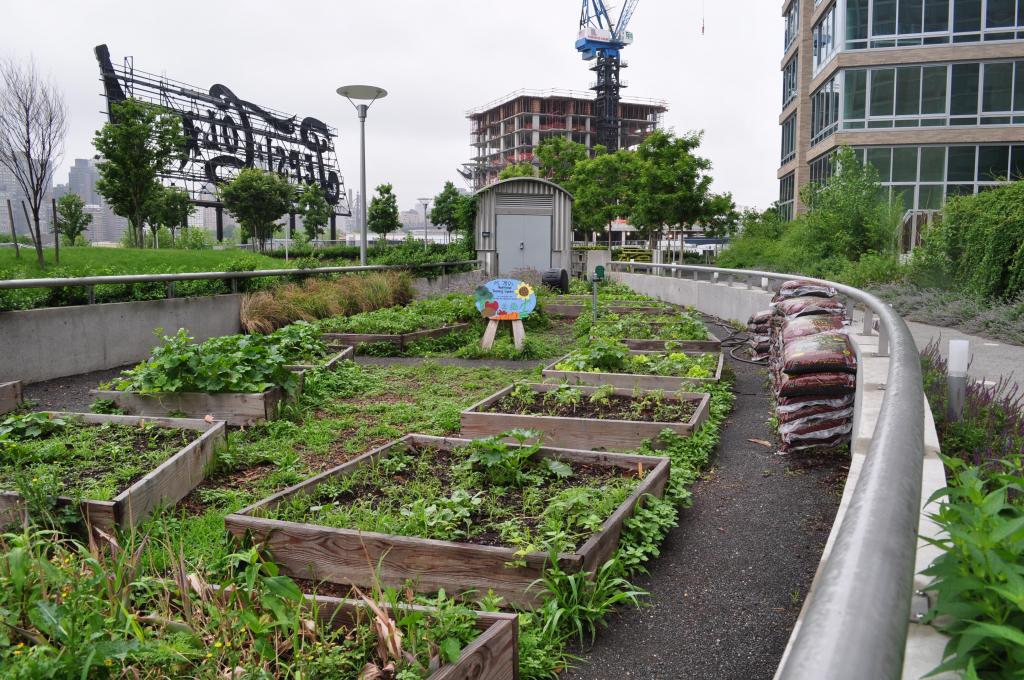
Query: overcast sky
{"type": "Point", "coordinates": [437, 59]}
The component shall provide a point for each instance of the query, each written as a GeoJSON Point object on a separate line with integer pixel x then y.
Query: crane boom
{"type": "Point", "coordinates": [624, 17]}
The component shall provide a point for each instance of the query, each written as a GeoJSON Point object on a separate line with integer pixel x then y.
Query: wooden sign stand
{"type": "Point", "coordinates": [518, 333]}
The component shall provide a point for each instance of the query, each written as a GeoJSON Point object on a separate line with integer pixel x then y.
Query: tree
{"type": "Point", "coordinates": [720, 216]}
{"type": "Point", "coordinates": [257, 199]}
{"type": "Point", "coordinates": [558, 158]}
{"type": "Point", "coordinates": [605, 188]}
{"type": "Point", "coordinates": [382, 216]}
{"type": "Point", "coordinates": [446, 206]}
{"type": "Point", "coordinates": [465, 218]}
{"type": "Point", "coordinates": [524, 169]}
{"type": "Point", "coordinates": [315, 210]}
{"type": "Point", "coordinates": [136, 145]}
{"type": "Point", "coordinates": [169, 208]}
{"type": "Point", "coordinates": [72, 220]}
{"type": "Point", "coordinates": [33, 125]}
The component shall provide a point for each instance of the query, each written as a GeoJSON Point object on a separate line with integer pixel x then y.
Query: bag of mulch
{"type": "Point", "coordinates": [820, 429]}
{"type": "Point", "coordinates": [759, 322]}
{"type": "Point", "coordinates": [811, 325]}
{"type": "Point", "coordinates": [795, 404]}
{"type": "Point", "coordinates": [795, 445]}
{"type": "Point", "coordinates": [803, 288]}
{"type": "Point", "coordinates": [813, 414]}
{"type": "Point", "coordinates": [793, 308]}
{"type": "Point", "coordinates": [819, 384]}
{"type": "Point", "coordinates": [822, 353]}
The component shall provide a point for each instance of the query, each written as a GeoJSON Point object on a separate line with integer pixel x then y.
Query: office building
{"type": "Point", "coordinates": [930, 92]}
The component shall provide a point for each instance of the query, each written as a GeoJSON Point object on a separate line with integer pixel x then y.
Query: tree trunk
{"type": "Point", "coordinates": [34, 234]}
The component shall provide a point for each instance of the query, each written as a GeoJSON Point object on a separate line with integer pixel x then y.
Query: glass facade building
{"type": "Point", "coordinates": [930, 92]}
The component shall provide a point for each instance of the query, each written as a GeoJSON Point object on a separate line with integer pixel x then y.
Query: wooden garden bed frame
{"type": "Point", "coordinates": [330, 364]}
{"type": "Point", "coordinates": [167, 484]}
{"type": "Point", "coordinates": [573, 311]}
{"type": "Point", "coordinates": [631, 380]}
{"type": "Point", "coordinates": [351, 557]}
{"type": "Point", "coordinates": [399, 340]}
{"type": "Point", "coordinates": [712, 344]}
{"type": "Point", "coordinates": [579, 433]}
{"type": "Point", "coordinates": [235, 408]}
{"type": "Point", "coordinates": [493, 655]}
{"type": "Point", "coordinates": [10, 396]}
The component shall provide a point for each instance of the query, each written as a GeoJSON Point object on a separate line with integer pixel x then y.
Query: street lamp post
{"type": "Point", "coordinates": [355, 93]}
{"type": "Point", "coordinates": [426, 204]}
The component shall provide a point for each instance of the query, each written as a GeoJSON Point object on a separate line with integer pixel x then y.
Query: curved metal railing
{"type": "Point", "coordinates": [854, 622]}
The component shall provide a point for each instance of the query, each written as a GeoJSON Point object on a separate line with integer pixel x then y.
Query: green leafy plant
{"type": "Point", "coordinates": [601, 355]}
{"type": "Point", "coordinates": [506, 464]}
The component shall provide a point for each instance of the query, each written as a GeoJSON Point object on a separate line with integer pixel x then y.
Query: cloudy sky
{"type": "Point", "coordinates": [437, 59]}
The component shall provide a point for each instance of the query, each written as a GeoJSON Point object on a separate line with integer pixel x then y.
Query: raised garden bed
{"type": "Point", "coordinates": [586, 425]}
{"type": "Point", "coordinates": [649, 381]}
{"type": "Point", "coordinates": [338, 354]}
{"type": "Point", "coordinates": [493, 655]}
{"type": "Point", "coordinates": [170, 481]}
{"type": "Point", "coordinates": [476, 561]}
{"type": "Point", "coordinates": [10, 396]}
{"type": "Point", "coordinates": [401, 340]}
{"type": "Point", "coordinates": [237, 409]}
{"type": "Point", "coordinates": [712, 344]}
{"type": "Point", "coordinates": [572, 309]}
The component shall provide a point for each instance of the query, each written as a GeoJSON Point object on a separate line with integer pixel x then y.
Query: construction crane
{"type": "Point", "coordinates": [602, 41]}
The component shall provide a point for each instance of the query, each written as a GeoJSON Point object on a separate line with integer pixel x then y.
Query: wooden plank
{"type": "Point", "coordinates": [489, 334]}
{"type": "Point", "coordinates": [168, 483]}
{"type": "Point", "coordinates": [329, 364]}
{"type": "Point", "coordinates": [629, 380]}
{"type": "Point", "coordinates": [235, 409]}
{"type": "Point", "coordinates": [349, 556]}
{"type": "Point", "coordinates": [401, 340]}
{"type": "Point", "coordinates": [10, 396]}
{"type": "Point", "coordinates": [578, 433]}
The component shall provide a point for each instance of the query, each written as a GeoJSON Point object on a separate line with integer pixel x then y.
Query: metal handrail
{"type": "Point", "coordinates": [854, 622]}
{"type": "Point", "coordinates": [9, 284]}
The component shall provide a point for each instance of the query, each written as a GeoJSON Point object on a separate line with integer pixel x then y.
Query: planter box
{"type": "Point", "coordinates": [712, 344]}
{"type": "Point", "coordinates": [579, 433]}
{"type": "Point", "coordinates": [331, 363]}
{"type": "Point", "coordinates": [493, 655]}
{"type": "Point", "coordinates": [399, 340]}
{"type": "Point", "coordinates": [171, 481]}
{"type": "Point", "coordinates": [10, 396]}
{"type": "Point", "coordinates": [630, 380]}
{"type": "Point", "coordinates": [572, 311]}
{"type": "Point", "coordinates": [236, 409]}
{"type": "Point", "coordinates": [351, 557]}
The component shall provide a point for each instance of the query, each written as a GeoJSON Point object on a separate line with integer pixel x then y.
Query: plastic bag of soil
{"type": "Point", "coordinates": [803, 288]}
{"type": "Point", "coordinates": [819, 384]}
{"type": "Point", "coordinates": [811, 325]}
{"type": "Point", "coordinates": [822, 353]}
{"type": "Point", "coordinates": [760, 320]}
{"type": "Point", "coordinates": [793, 308]}
{"type": "Point", "coordinates": [795, 404]}
{"type": "Point", "coordinates": [813, 414]}
{"type": "Point", "coordinates": [796, 444]}
{"type": "Point", "coordinates": [818, 429]}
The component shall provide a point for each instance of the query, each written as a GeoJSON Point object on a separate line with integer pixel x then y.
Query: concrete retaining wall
{"type": "Point", "coordinates": [734, 302]}
{"type": "Point", "coordinates": [42, 344]}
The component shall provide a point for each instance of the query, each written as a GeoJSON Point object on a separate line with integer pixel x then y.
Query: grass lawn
{"type": "Point", "coordinates": [93, 261]}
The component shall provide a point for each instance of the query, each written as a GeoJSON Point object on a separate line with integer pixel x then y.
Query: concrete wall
{"type": "Point", "coordinates": [41, 344]}
{"type": "Point", "coordinates": [733, 302]}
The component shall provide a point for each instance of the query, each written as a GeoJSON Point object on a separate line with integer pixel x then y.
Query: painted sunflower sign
{"type": "Point", "coordinates": [505, 300]}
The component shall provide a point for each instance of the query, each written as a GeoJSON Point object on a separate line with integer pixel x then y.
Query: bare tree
{"type": "Point", "coordinates": [33, 125]}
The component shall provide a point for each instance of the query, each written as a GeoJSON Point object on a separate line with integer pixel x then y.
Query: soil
{"type": "Point", "coordinates": [508, 503]}
{"type": "Point", "coordinates": [617, 407]}
{"type": "Point", "coordinates": [244, 479]}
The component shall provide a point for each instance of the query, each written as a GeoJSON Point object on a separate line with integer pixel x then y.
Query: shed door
{"type": "Point", "coordinates": [523, 242]}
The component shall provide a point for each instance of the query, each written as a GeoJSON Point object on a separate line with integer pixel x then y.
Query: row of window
{"type": "Point", "coordinates": [823, 41]}
{"type": "Point", "coordinates": [825, 110]}
{"type": "Point", "coordinates": [787, 196]}
{"type": "Point", "coordinates": [792, 19]}
{"type": "Point", "coordinates": [789, 139]}
{"type": "Point", "coordinates": [990, 93]}
{"type": "Point", "coordinates": [926, 175]}
{"type": "Point", "coordinates": [789, 81]}
{"type": "Point", "coordinates": [899, 23]}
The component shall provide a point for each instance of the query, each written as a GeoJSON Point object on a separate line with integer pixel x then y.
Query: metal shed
{"type": "Point", "coordinates": [523, 223]}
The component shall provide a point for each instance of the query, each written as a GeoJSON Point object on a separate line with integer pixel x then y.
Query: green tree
{"type": "Point", "coordinates": [465, 218]}
{"type": "Point", "coordinates": [446, 207]}
{"type": "Point", "coordinates": [315, 210]}
{"type": "Point", "coordinates": [605, 188]}
{"type": "Point", "coordinates": [558, 158]}
{"type": "Point", "coordinates": [136, 145]}
{"type": "Point", "coordinates": [721, 218]}
{"type": "Point", "coordinates": [524, 169]}
{"type": "Point", "coordinates": [257, 199]}
{"type": "Point", "coordinates": [72, 220]}
{"type": "Point", "coordinates": [382, 216]}
{"type": "Point", "coordinates": [169, 208]}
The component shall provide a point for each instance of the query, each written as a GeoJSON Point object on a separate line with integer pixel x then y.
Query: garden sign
{"type": "Point", "coordinates": [505, 300]}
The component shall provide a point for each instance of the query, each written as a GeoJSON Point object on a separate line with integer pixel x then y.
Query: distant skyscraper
{"type": "Point", "coordinates": [82, 180]}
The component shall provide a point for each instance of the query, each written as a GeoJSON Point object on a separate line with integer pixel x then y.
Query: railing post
{"type": "Point", "coordinates": [91, 291]}
{"type": "Point", "coordinates": [869, 318]}
{"type": "Point", "coordinates": [234, 284]}
{"type": "Point", "coordinates": [883, 340]}
{"type": "Point", "coordinates": [170, 289]}
{"type": "Point", "coordinates": [696, 275]}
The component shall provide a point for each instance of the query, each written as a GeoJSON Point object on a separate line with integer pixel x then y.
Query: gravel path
{"type": "Point", "coordinates": [730, 580]}
{"type": "Point", "coordinates": [70, 393]}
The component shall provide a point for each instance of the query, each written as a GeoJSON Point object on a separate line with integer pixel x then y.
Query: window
{"type": "Point", "coordinates": [792, 23]}
{"type": "Point", "coordinates": [883, 82]}
{"type": "Point", "coordinates": [964, 92]}
{"type": "Point", "coordinates": [901, 23]}
{"type": "Point", "coordinates": [856, 24]}
{"type": "Point", "coordinates": [855, 96]}
{"type": "Point", "coordinates": [998, 89]}
{"type": "Point", "coordinates": [789, 81]}
{"type": "Point", "coordinates": [824, 40]}
{"type": "Point", "coordinates": [825, 111]}
{"type": "Point", "coordinates": [789, 139]}
{"type": "Point", "coordinates": [822, 168]}
{"type": "Point", "coordinates": [787, 193]}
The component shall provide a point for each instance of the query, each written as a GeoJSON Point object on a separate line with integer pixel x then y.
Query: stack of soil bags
{"type": "Point", "coordinates": [813, 366]}
{"type": "Point", "coordinates": [759, 328]}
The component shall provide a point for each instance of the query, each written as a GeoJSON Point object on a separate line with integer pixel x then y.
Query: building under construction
{"type": "Point", "coordinates": [507, 131]}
